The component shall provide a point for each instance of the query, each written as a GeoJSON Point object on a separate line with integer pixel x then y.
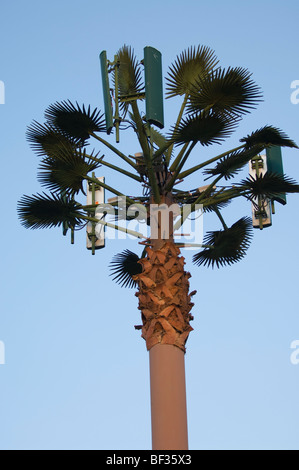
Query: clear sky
{"type": "Point", "coordinates": [76, 372]}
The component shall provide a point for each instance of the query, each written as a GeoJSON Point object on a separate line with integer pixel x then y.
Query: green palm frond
{"type": "Point", "coordinates": [190, 66]}
{"type": "Point", "coordinates": [206, 128]}
{"type": "Point", "coordinates": [268, 136]}
{"type": "Point", "coordinates": [129, 73]}
{"type": "Point", "coordinates": [269, 186]}
{"type": "Point", "coordinates": [161, 142]}
{"type": "Point", "coordinates": [216, 206]}
{"type": "Point", "coordinates": [230, 90]}
{"type": "Point", "coordinates": [66, 171]}
{"type": "Point", "coordinates": [229, 245]}
{"type": "Point", "coordinates": [123, 266]}
{"type": "Point", "coordinates": [75, 121]}
{"type": "Point", "coordinates": [185, 198]}
{"type": "Point", "coordinates": [45, 139]}
{"type": "Point", "coordinates": [231, 164]}
{"type": "Point", "coordinates": [43, 211]}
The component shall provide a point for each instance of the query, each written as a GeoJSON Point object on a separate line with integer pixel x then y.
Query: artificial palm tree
{"type": "Point", "coordinates": [213, 101]}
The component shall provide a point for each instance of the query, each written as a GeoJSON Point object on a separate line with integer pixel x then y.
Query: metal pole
{"type": "Point", "coordinates": [168, 398]}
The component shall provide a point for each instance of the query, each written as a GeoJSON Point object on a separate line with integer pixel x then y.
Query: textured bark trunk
{"type": "Point", "coordinates": [165, 305]}
{"type": "Point", "coordinates": [164, 298]}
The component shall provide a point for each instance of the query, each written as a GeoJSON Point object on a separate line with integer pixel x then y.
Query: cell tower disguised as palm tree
{"type": "Point", "coordinates": [213, 101]}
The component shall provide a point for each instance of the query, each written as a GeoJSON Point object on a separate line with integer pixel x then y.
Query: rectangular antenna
{"type": "Point", "coordinates": [95, 233]}
{"type": "Point", "coordinates": [106, 92]}
{"type": "Point", "coordinates": [261, 207]}
{"type": "Point", "coordinates": [153, 87]}
{"type": "Point", "coordinates": [275, 165]}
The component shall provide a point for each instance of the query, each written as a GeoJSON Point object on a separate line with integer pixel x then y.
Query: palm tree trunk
{"type": "Point", "coordinates": [168, 398]}
{"type": "Point", "coordinates": [165, 305]}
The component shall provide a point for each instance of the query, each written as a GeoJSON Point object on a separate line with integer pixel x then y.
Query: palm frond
{"type": "Point", "coordinates": [206, 128]}
{"type": "Point", "coordinates": [190, 66]}
{"type": "Point", "coordinates": [43, 211]}
{"type": "Point", "coordinates": [129, 73]}
{"type": "Point", "coordinates": [267, 136]}
{"type": "Point", "coordinates": [161, 142]}
{"type": "Point", "coordinates": [217, 206]}
{"type": "Point", "coordinates": [229, 245]}
{"type": "Point", "coordinates": [45, 139]}
{"type": "Point", "coordinates": [232, 163]}
{"type": "Point", "coordinates": [75, 121]}
{"type": "Point", "coordinates": [123, 266]}
{"type": "Point", "coordinates": [268, 186]}
{"type": "Point", "coordinates": [191, 199]}
{"type": "Point", "coordinates": [230, 91]}
{"type": "Point", "coordinates": [66, 171]}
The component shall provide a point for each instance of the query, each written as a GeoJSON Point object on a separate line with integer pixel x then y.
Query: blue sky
{"type": "Point", "coordinates": [76, 372]}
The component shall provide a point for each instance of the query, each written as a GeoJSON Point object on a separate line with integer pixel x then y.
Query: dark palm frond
{"type": "Point", "coordinates": [206, 128]}
{"type": "Point", "coordinates": [268, 136]}
{"type": "Point", "coordinates": [222, 195]}
{"type": "Point", "coordinates": [67, 171]}
{"type": "Point", "coordinates": [217, 206]}
{"type": "Point", "coordinates": [75, 121]}
{"type": "Point", "coordinates": [123, 266]}
{"type": "Point", "coordinates": [129, 74]}
{"type": "Point", "coordinates": [231, 164]}
{"type": "Point", "coordinates": [190, 66]}
{"type": "Point", "coordinates": [161, 142]}
{"type": "Point", "coordinates": [43, 211]}
{"type": "Point", "coordinates": [230, 91]}
{"type": "Point", "coordinates": [192, 198]}
{"type": "Point", "coordinates": [229, 245]}
{"type": "Point", "coordinates": [269, 185]}
{"type": "Point", "coordinates": [45, 139]}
